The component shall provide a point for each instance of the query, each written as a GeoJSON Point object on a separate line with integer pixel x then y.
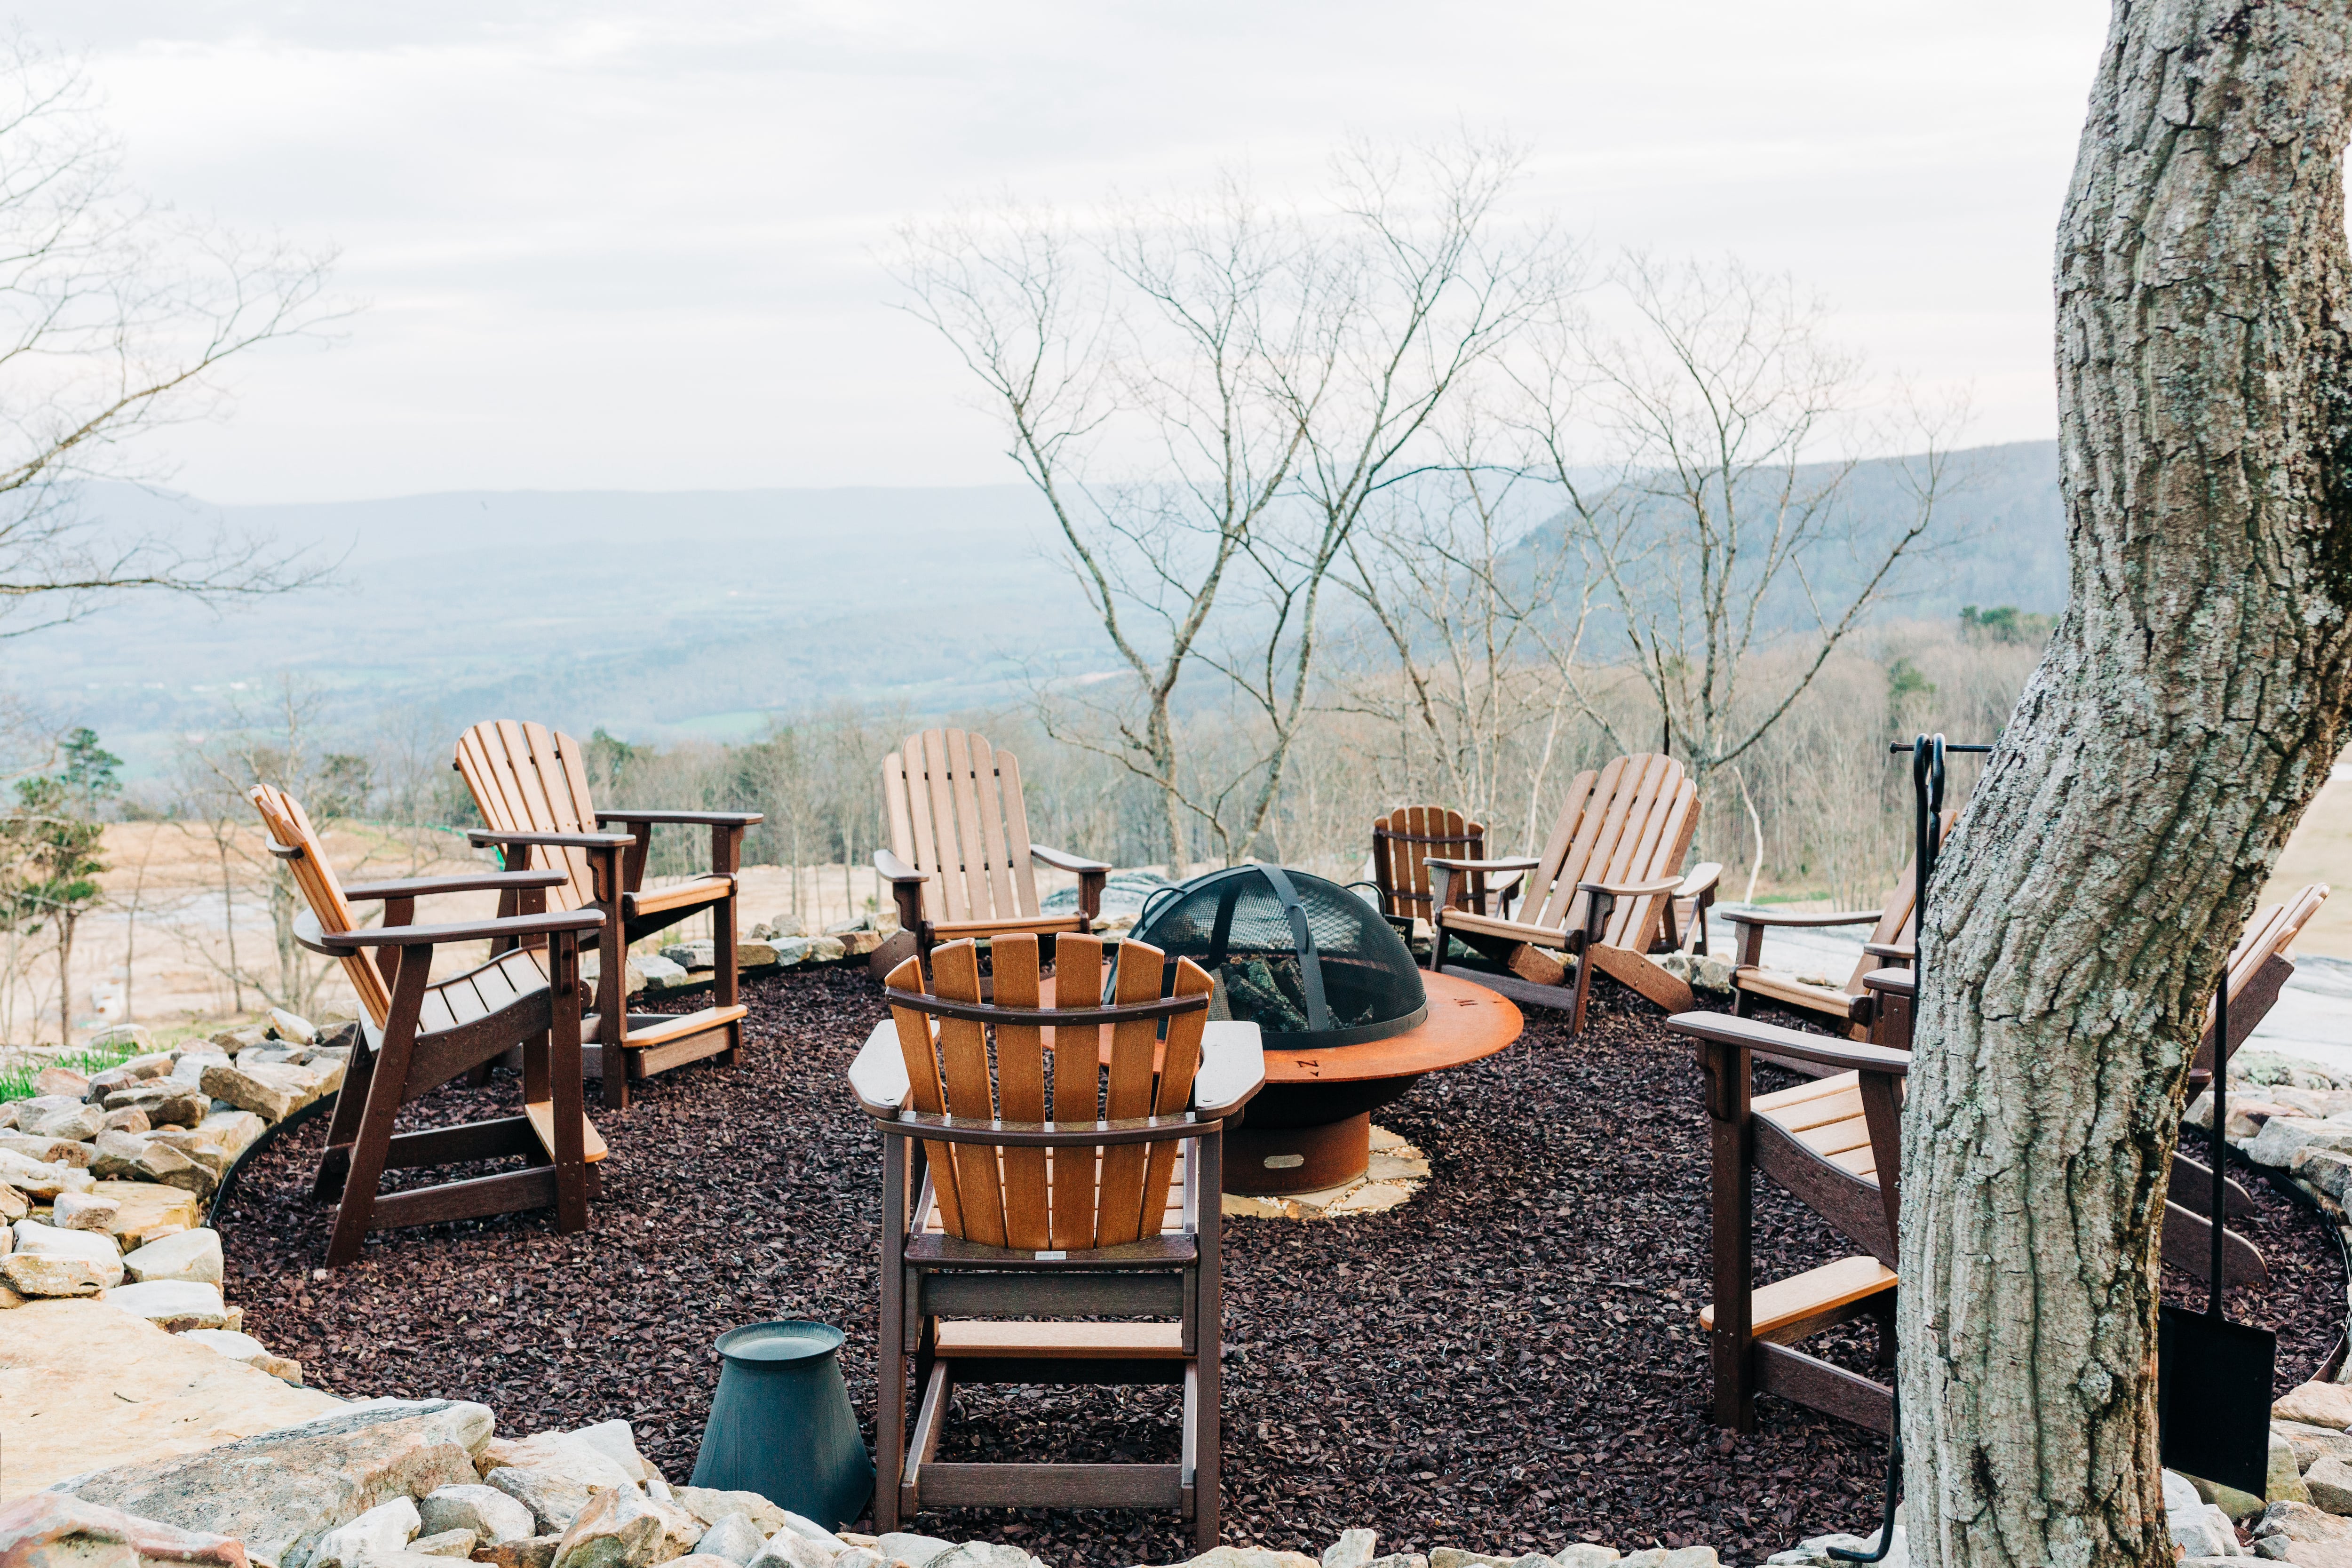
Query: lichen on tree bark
{"type": "Point", "coordinates": [2189, 705]}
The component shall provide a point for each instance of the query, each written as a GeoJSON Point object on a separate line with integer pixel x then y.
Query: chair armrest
{"type": "Point", "coordinates": [879, 1076]}
{"type": "Point", "coordinates": [1233, 1069]}
{"type": "Point", "coordinates": [1827, 918]}
{"type": "Point", "coordinates": [420, 887]}
{"type": "Point", "coordinates": [343, 942]}
{"type": "Point", "coordinates": [1060, 861]}
{"type": "Point", "coordinates": [1632, 890]}
{"type": "Point", "coordinates": [696, 818]}
{"type": "Point", "coordinates": [490, 838]}
{"type": "Point", "coordinates": [894, 869]}
{"type": "Point", "coordinates": [1822, 1050]}
{"type": "Point", "coordinates": [1700, 879]}
{"type": "Point", "coordinates": [1513, 863]}
{"type": "Point", "coordinates": [1894, 981]}
{"type": "Point", "coordinates": [1897, 952]}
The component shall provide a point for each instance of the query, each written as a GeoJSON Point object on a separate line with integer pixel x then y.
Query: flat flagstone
{"type": "Point", "coordinates": [84, 1386]}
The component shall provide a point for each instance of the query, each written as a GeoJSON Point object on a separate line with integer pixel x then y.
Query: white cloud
{"type": "Point", "coordinates": [634, 246]}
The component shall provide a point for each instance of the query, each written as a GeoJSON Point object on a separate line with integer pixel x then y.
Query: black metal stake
{"type": "Point", "coordinates": [1927, 795]}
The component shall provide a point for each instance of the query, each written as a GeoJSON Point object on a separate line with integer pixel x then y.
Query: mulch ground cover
{"type": "Point", "coordinates": [1511, 1361]}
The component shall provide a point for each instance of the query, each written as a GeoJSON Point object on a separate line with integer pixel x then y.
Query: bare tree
{"type": "Point", "coordinates": [1225, 385]}
{"type": "Point", "coordinates": [2186, 711]}
{"type": "Point", "coordinates": [116, 315]}
{"type": "Point", "coordinates": [1718, 526]}
{"type": "Point", "coordinates": [1474, 609]}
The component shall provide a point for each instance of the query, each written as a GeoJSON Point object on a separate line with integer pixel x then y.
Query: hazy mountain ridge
{"type": "Point", "coordinates": [663, 616]}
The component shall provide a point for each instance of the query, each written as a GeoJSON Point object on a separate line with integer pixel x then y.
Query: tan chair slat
{"type": "Point", "coordinates": [1017, 835]}
{"type": "Point", "coordinates": [923, 849]}
{"type": "Point", "coordinates": [946, 930]}
{"type": "Point", "coordinates": [678, 1025]}
{"type": "Point", "coordinates": [1021, 1094]}
{"type": "Point", "coordinates": [1788, 988]}
{"type": "Point", "coordinates": [1808, 1295]}
{"type": "Point", "coordinates": [1612, 849]}
{"type": "Point", "coordinates": [678, 895]}
{"type": "Point", "coordinates": [1860, 1161]}
{"type": "Point", "coordinates": [1078, 1085]}
{"type": "Point", "coordinates": [1815, 1089]}
{"type": "Point", "coordinates": [896, 806]}
{"type": "Point", "coordinates": [542, 1113]}
{"type": "Point", "coordinates": [1835, 1137]}
{"type": "Point", "coordinates": [1818, 1112]}
{"type": "Point", "coordinates": [1061, 1341]}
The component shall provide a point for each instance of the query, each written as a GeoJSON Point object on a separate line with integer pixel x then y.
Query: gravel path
{"type": "Point", "coordinates": [1510, 1360]}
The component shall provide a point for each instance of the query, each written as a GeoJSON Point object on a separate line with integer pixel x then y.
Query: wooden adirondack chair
{"type": "Point", "coordinates": [961, 862]}
{"type": "Point", "coordinates": [531, 785]}
{"type": "Point", "coordinates": [1835, 1144]}
{"type": "Point", "coordinates": [1097, 1196]}
{"type": "Point", "coordinates": [1607, 891]}
{"type": "Point", "coordinates": [1892, 931]}
{"type": "Point", "coordinates": [1402, 842]}
{"type": "Point", "coordinates": [418, 1033]}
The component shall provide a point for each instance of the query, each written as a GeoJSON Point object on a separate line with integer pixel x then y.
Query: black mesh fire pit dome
{"type": "Point", "coordinates": [1303, 958]}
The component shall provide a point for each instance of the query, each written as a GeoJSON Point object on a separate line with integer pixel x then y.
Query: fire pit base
{"type": "Point", "coordinates": [1270, 1162]}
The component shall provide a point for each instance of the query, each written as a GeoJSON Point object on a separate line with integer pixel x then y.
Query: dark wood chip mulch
{"type": "Point", "coordinates": [1512, 1360]}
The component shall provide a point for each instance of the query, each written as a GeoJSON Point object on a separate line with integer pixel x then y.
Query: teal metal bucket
{"type": "Point", "coordinates": [780, 1424]}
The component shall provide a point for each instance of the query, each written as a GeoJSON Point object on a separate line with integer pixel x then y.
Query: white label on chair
{"type": "Point", "coordinates": [1046, 1256]}
{"type": "Point", "coordinates": [1284, 1161]}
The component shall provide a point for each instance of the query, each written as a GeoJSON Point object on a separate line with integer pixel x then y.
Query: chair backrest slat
{"type": "Point", "coordinates": [956, 814]}
{"type": "Point", "coordinates": [1078, 1088]}
{"type": "Point", "coordinates": [526, 778]}
{"type": "Point", "coordinates": [1021, 1097]}
{"type": "Point", "coordinates": [1086, 1195]}
{"type": "Point", "coordinates": [289, 825]}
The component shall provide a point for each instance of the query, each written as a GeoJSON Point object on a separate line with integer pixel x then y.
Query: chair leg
{"type": "Point", "coordinates": [1209, 1343]}
{"type": "Point", "coordinates": [1732, 1344]}
{"type": "Point", "coordinates": [612, 1009]}
{"type": "Point", "coordinates": [335, 1164]}
{"type": "Point", "coordinates": [890, 1371]}
{"type": "Point", "coordinates": [386, 1083]}
{"type": "Point", "coordinates": [723, 981]}
{"type": "Point", "coordinates": [560, 1049]}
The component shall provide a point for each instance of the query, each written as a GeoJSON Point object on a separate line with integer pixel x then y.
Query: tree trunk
{"type": "Point", "coordinates": [2189, 706]}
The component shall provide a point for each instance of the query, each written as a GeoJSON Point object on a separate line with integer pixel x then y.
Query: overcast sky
{"type": "Point", "coordinates": [607, 244]}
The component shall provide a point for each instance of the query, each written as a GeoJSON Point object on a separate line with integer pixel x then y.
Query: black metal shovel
{"type": "Point", "coordinates": [2213, 1376]}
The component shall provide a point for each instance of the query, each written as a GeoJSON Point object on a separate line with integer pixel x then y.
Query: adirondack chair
{"type": "Point", "coordinates": [1836, 1144]}
{"type": "Point", "coordinates": [1402, 842]}
{"type": "Point", "coordinates": [1848, 1006]}
{"type": "Point", "coordinates": [961, 862]}
{"type": "Point", "coordinates": [418, 1033]}
{"type": "Point", "coordinates": [1100, 1201]}
{"type": "Point", "coordinates": [531, 785]}
{"type": "Point", "coordinates": [1607, 891]}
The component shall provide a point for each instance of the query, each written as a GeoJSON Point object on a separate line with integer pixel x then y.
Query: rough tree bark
{"type": "Point", "coordinates": [2189, 707]}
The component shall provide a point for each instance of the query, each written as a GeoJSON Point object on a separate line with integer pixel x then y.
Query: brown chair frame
{"type": "Point", "coordinates": [1807, 1140]}
{"type": "Point", "coordinates": [418, 1033]}
{"type": "Point", "coordinates": [529, 783]}
{"type": "Point", "coordinates": [1143, 1269]}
